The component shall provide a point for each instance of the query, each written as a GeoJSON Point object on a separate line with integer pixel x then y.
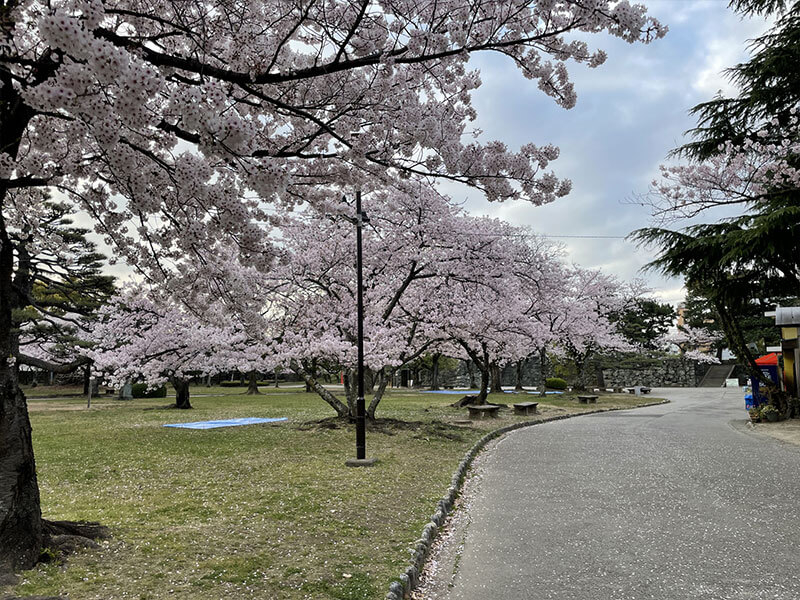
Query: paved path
{"type": "Point", "coordinates": [672, 502]}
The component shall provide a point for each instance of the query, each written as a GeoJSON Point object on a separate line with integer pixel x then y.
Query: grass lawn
{"type": "Point", "coordinates": [262, 511]}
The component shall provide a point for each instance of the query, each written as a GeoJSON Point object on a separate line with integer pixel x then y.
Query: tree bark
{"type": "Point", "coordinates": [518, 384]}
{"type": "Point", "coordinates": [87, 377]}
{"type": "Point", "coordinates": [181, 392]}
{"type": "Point", "coordinates": [497, 374]}
{"type": "Point", "coordinates": [435, 371]}
{"type": "Point", "coordinates": [471, 373]}
{"type": "Point", "coordinates": [252, 384]}
{"type": "Point", "coordinates": [382, 381]}
{"type": "Point", "coordinates": [542, 372]}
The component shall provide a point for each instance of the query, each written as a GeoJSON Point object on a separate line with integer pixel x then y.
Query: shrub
{"type": "Point", "coordinates": [555, 383]}
{"type": "Point", "coordinates": [140, 390]}
{"type": "Point", "coordinates": [755, 414]}
{"type": "Point", "coordinates": [770, 413]}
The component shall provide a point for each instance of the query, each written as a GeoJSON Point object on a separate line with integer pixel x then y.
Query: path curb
{"type": "Point", "coordinates": [401, 588]}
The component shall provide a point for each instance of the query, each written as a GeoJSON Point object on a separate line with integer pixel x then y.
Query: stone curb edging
{"type": "Point", "coordinates": [408, 580]}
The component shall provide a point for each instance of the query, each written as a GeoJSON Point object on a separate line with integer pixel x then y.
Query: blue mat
{"type": "Point", "coordinates": [226, 423]}
{"type": "Point", "coordinates": [476, 392]}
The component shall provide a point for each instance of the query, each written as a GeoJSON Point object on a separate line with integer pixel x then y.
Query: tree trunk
{"type": "Point", "coordinates": [337, 405]}
{"type": "Point", "coordinates": [471, 373]}
{"type": "Point", "coordinates": [497, 374]}
{"type": "Point", "coordinates": [383, 381]}
{"type": "Point", "coordinates": [275, 372]}
{"type": "Point", "coordinates": [181, 392]}
{"type": "Point", "coordinates": [580, 385]}
{"type": "Point", "coordinates": [21, 533]}
{"type": "Point", "coordinates": [208, 380]}
{"type": "Point", "coordinates": [518, 384]}
{"type": "Point", "coordinates": [87, 378]}
{"type": "Point", "coordinates": [252, 384]}
{"type": "Point", "coordinates": [542, 372]}
{"type": "Point", "coordinates": [481, 399]}
{"type": "Point", "coordinates": [435, 371]}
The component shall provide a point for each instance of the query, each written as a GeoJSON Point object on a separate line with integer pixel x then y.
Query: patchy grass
{"type": "Point", "coordinates": [262, 511]}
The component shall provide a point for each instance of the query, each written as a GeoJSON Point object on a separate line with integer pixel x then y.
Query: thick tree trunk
{"type": "Point", "coordinates": [518, 384]}
{"type": "Point", "coordinates": [435, 371]}
{"type": "Point", "coordinates": [337, 405]}
{"type": "Point", "coordinates": [471, 374]}
{"type": "Point", "coordinates": [542, 372]}
{"type": "Point", "coordinates": [497, 374]}
{"type": "Point", "coordinates": [276, 371]}
{"type": "Point", "coordinates": [252, 384]}
{"type": "Point", "coordinates": [181, 392]}
{"type": "Point", "coordinates": [482, 395]}
{"type": "Point", "coordinates": [208, 380]}
{"type": "Point", "coordinates": [21, 534]}
{"type": "Point", "coordinates": [580, 385]}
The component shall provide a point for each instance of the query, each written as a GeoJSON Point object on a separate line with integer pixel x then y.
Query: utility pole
{"type": "Point", "coordinates": [361, 459]}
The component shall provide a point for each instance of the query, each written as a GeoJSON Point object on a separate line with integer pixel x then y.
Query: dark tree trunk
{"type": "Point", "coordinates": [277, 370]}
{"type": "Point", "coordinates": [497, 373]}
{"type": "Point", "coordinates": [471, 373]}
{"type": "Point", "coordinates": [181, 393]}
{"type": "Point", "coordinates": [520, 367]}
{"type": "Point", "coordinates": [542, 372]}
{"type": "Point", "coordinates": [435, 371]}
{"type": "Point", "coordinates": [87, 378]}
{"type": "Point", "coordinates": [484, 392]}
{"type": "Point", "coordinates": [252, 384]}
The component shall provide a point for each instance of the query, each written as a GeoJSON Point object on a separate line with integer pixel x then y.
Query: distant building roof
{"type": "Point", "coordinates": [787, 315]}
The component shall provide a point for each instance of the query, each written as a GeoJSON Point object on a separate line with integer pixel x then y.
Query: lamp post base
{"type": "Point", "coordinates": [360, 462]}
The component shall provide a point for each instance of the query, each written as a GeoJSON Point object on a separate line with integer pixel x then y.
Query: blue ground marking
{"type": "Point", "coordinates": [476, 391]}
{"type": "Point", "coordinates": [225, 423]}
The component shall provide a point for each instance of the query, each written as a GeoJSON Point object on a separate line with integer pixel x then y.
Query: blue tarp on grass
{"type": "Point", "coordinates": [225, 423]}
{"type": "Point", "coordinates": [476, 392]}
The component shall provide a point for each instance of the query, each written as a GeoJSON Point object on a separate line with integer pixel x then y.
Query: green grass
{"type": "Point", "coordinates": [263, 511]}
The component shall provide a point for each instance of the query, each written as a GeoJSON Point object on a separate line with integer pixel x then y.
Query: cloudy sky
{"type": "Point", "coordinates": [631, 112]}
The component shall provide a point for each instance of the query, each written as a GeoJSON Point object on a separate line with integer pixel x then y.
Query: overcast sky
{"type": "Point", "coordinates": [631, 112]}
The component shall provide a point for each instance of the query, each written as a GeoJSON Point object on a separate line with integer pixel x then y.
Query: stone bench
{"type": "Point", "coordinates": [587, 399]}
{"type": "Point", "coordinates": [641, 390]}
{"type": "Point", "coordinates": [525, 408]}
{"type": "Point", "coordinates": [482, 411]}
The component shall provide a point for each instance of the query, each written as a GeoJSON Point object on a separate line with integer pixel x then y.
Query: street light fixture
{"type": "Point", "coordinates": [361, 459]}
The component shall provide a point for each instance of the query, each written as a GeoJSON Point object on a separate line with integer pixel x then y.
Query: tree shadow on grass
{"type": "Point", "coordinates": [421, 429]}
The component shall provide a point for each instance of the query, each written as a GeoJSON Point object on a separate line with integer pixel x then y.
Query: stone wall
{"type": "Point", "coordinates": [669, 372]}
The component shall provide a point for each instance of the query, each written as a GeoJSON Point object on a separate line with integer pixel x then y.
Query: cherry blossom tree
{"type": "Point", "coordinates": [176, 125]}
{"type": "Point", "coordinates": [138, 338]}
{"type": "Point", "coordinates": [418, 250]}
{"type": "Point", "coordinates": [591, 298]}
{"type": "Point", "coordinates": [693, 343]}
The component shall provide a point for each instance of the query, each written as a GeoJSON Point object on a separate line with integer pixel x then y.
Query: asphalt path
{"type": "Point", "coordinates": [677, 501]}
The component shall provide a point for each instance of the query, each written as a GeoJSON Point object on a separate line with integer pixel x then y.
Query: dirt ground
{"type": "Point", "coordinates": [786, 431]}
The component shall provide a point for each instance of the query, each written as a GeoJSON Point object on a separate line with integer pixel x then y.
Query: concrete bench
{"type": "Point", "coordinates": [639, 390]}
{"type": "Point", "coordinates": [482, 411]}
{"type": "Point", "coordinates": [525, 408]}
{"type": "Point", "coordinates": [587, 399]}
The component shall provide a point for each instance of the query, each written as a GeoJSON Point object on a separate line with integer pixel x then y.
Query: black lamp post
{"type": "Point", "coordinates": [361, 459]}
